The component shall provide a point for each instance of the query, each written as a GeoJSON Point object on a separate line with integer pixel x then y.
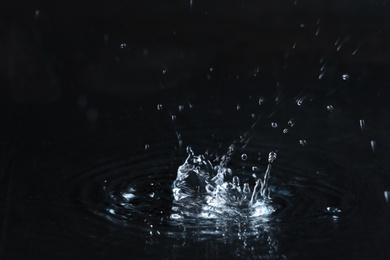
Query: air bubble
{"type": "Point", "coordinates": [244, 157]}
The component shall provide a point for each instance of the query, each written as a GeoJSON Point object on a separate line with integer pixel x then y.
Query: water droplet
{"type": "Point", "coordinates": [285, 131]}
{"type": "Point", "coordinates": [330, 108]}
{"type": "Point", "coordinates": [302, 25]}
{"type": "Point", "coordinates": [299, 102]}
{"type": "Point", "coordinates": [159, 107]}
{"type": "Point", "coordinates": [211, 69]}
{"type": "Point", "coordinates": [261, 101]}
{"type": "Point", "coordinates": [244, 157]}
{"type": "Point", "coordinates": [302, 142]}
{"type": "Point", "coordinates": [173, 117]}
{"type": "Point", "coordinates": [253, 115]}
{"type": "Point", "coordinates": [37, 13]}
{"type": "Point", "coordinates": [362, 124]}
{"type": "Point", "coordinates": [272, 157]}
{"type": "Point", "coordinates": [345, 77]}
{"type": "Point", "coordinates": [181, 108]}
{"type": "Point", "coordinates": [164, 71]}
{"type": "Point", "coordinates": [387, 196]}
{"type": "Point", "coordinates": [123, 45]}
{"type": "Point", "coordinates": [373, 145]}
{"type": "Point", "coordinates": [152, 195]}
{"type": "Point", "coordinates": [255, 168]}
{"type": "Point", "coordinates": [147, 146]}
{"type": "Point", "coordinates": [238, 107]}
{"type": "Point", "coordinates": [274, 125]}
{"type": "Point", "coordinates": [291, 122]}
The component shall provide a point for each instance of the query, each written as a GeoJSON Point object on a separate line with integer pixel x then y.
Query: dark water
{"type": "Point", "coordinates": [100, 103]}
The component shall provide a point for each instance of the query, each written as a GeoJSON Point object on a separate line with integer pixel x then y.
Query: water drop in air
{"type": "Point", "coordinates": [244, 157]}
{"type": "Point", "coordinates": [274, 125]}
{"type": "Point", "coordinates": [387, 196]}
{"type": "Point", "coordinates": [373, 145]}
{"type": "Point", "coordinates": [285, 131]}
{"type": "Point", "coordinates": [123, 45]}
{"type": "Point", "coordinates": [345, 77]}
{"type": "Point", "coordinates": [272, 157]}
{"type": "Point", "coordinates": [291, 122]}
{"type": "Point", "coordinates": [159, 107]}
{"type": "Point", "coordinates": [362, 124]}
{"type": "Point", "coordinates": [330, 108]}
{"type": "Point", "coordinates": [302, 142]}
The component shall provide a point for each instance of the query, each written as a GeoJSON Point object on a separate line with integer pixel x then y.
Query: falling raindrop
{"type": "Point", "coordinates": [164, 71]}
{"type": "Point", "coordinates": [238, 107]}
{"type": "Point", "coordinates": [291, 122]}
{"type": "Point", "coordinates": [387, 196]}
{"type": "Point", "coordinates": [37, 13]}
{"type": "Point", "coordinates": [285, 131]}
{"type": "Point", "coordinates": [272, 157]}
{"type": "Point", "coordinates": [181, 108]}
{"type": "Point", "coordinates": [362, 124]}
{"type": "Point", "coordinates": [173, 117]}
{"type": "Point", "coordinates": [261, 101]}
{"type": "Point", "coordinates": [147, 146]}
{"type": "Point", "coordinates": [330, 108]}
{"type": "Point", "coordinates": [274, 125]}
{"type": "Point", "coordinates": [373, 145]}
{"type": "Point", "coordinates": [159, 107]}
{"type": "Point", "coordinates": [244, 157]}
{"type": "Point", "coordinates": [302, 142]}
{"type": "Point", "coordinates": [345, 77]}
{"type": "Point", "coordinates": [123, 45]}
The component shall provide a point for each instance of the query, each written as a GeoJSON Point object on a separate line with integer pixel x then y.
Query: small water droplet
{"type": "Point", "coordinates": [244, 157]}
{"type": "Point", "coordinates": [274, 125]}
{"type": "Point", "coordinates": [159, 107]}
{"type": "Point", "coordinates": [261, 101]}
{"type": "Point", "coordinates": [173, 117]}
{"type": "Point", "coordinates": [345, 77]}
{"type": "Point", "coordinates": [181, 108]}
{"type": "Point", "coordinates": [291, 122]}
{"type": "Point", "coordinates": [330, 108]}
{"type": "Point", "coordinates": [302, 25]}
{"type": "Point", "coordinates": [387, 196]}
{"type": "Point", "coordinates": [299, 102]}
{"type": "Point", "coordinates": [145, 52]}
{"type": "Point", "coordinates": [211, 69]}
{"type": "Point", "coordinates": [238, 107]}
{"type": "Point", "coordinates": [255, 168]}
{"type": "Point", "coordinates": [152, 195]}
{"type": "Point", "coordinates": [147, 146]}
{"type": "Point", "coordinates": [164, 71]}
{"type": "Point", "coordinates": [373, 145]}
{"type": "Point", "coordinates": [272, 157]}
{"type": "Point", "coordinates": [302, 142]}
{"type": "Point", "coordinates": [37, 13]}
{"type": "Point", "coordinates": [123, 45]}
{"type": "Point", "coordinates": [285, 131]}
{"type": "Point", "coordinates": [362, 124]}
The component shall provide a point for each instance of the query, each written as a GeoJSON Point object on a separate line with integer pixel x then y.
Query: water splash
{"type": "Point", "coordinates": [207, 191]}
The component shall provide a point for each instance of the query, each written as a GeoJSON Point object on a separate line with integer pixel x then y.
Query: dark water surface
{"type": "Point", "coordinates": [99, 104]}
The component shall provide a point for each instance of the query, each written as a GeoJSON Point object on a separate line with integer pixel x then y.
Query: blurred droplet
{"type": "Point", "coordinates": [373, 145]}
{"type": "Point", "coordinates": [291, 122]}
{"type": "Point", "coordinates": [37, 13]}
{"type": "Point", "coordinates": [302, 142]}
{"type": "Point", "coordinates": [173, 117]}
{"type": "Point", "coordinates": [274, 125]}
{"type": "Point", "coordinates": [238, 107]}
{"type": "Point", "coordinates": [387, 196]}
{"type": "Point", "coordinates": [147, 146]}
{"type": "Point", "coordinates": [159, 107]}
{"type": "Point", "coordinates": [244, 157]}
{"type": "Point", "coordinates": [181, 108]}
{"type": "Point", "coordinates": [272, 157]}
{"type": "Point", "coordinates": [123, 45]}
{"type": "Point", "coordinates": [345, 77]}
{"type": "Point", "coordinates": [330, 108]}
{"type": "Point", "coordinates": [261, 101]}
{"type": "Point", "coordinates": [285, 131]}
{"type": "Point", "coordinates": [362, 124]}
